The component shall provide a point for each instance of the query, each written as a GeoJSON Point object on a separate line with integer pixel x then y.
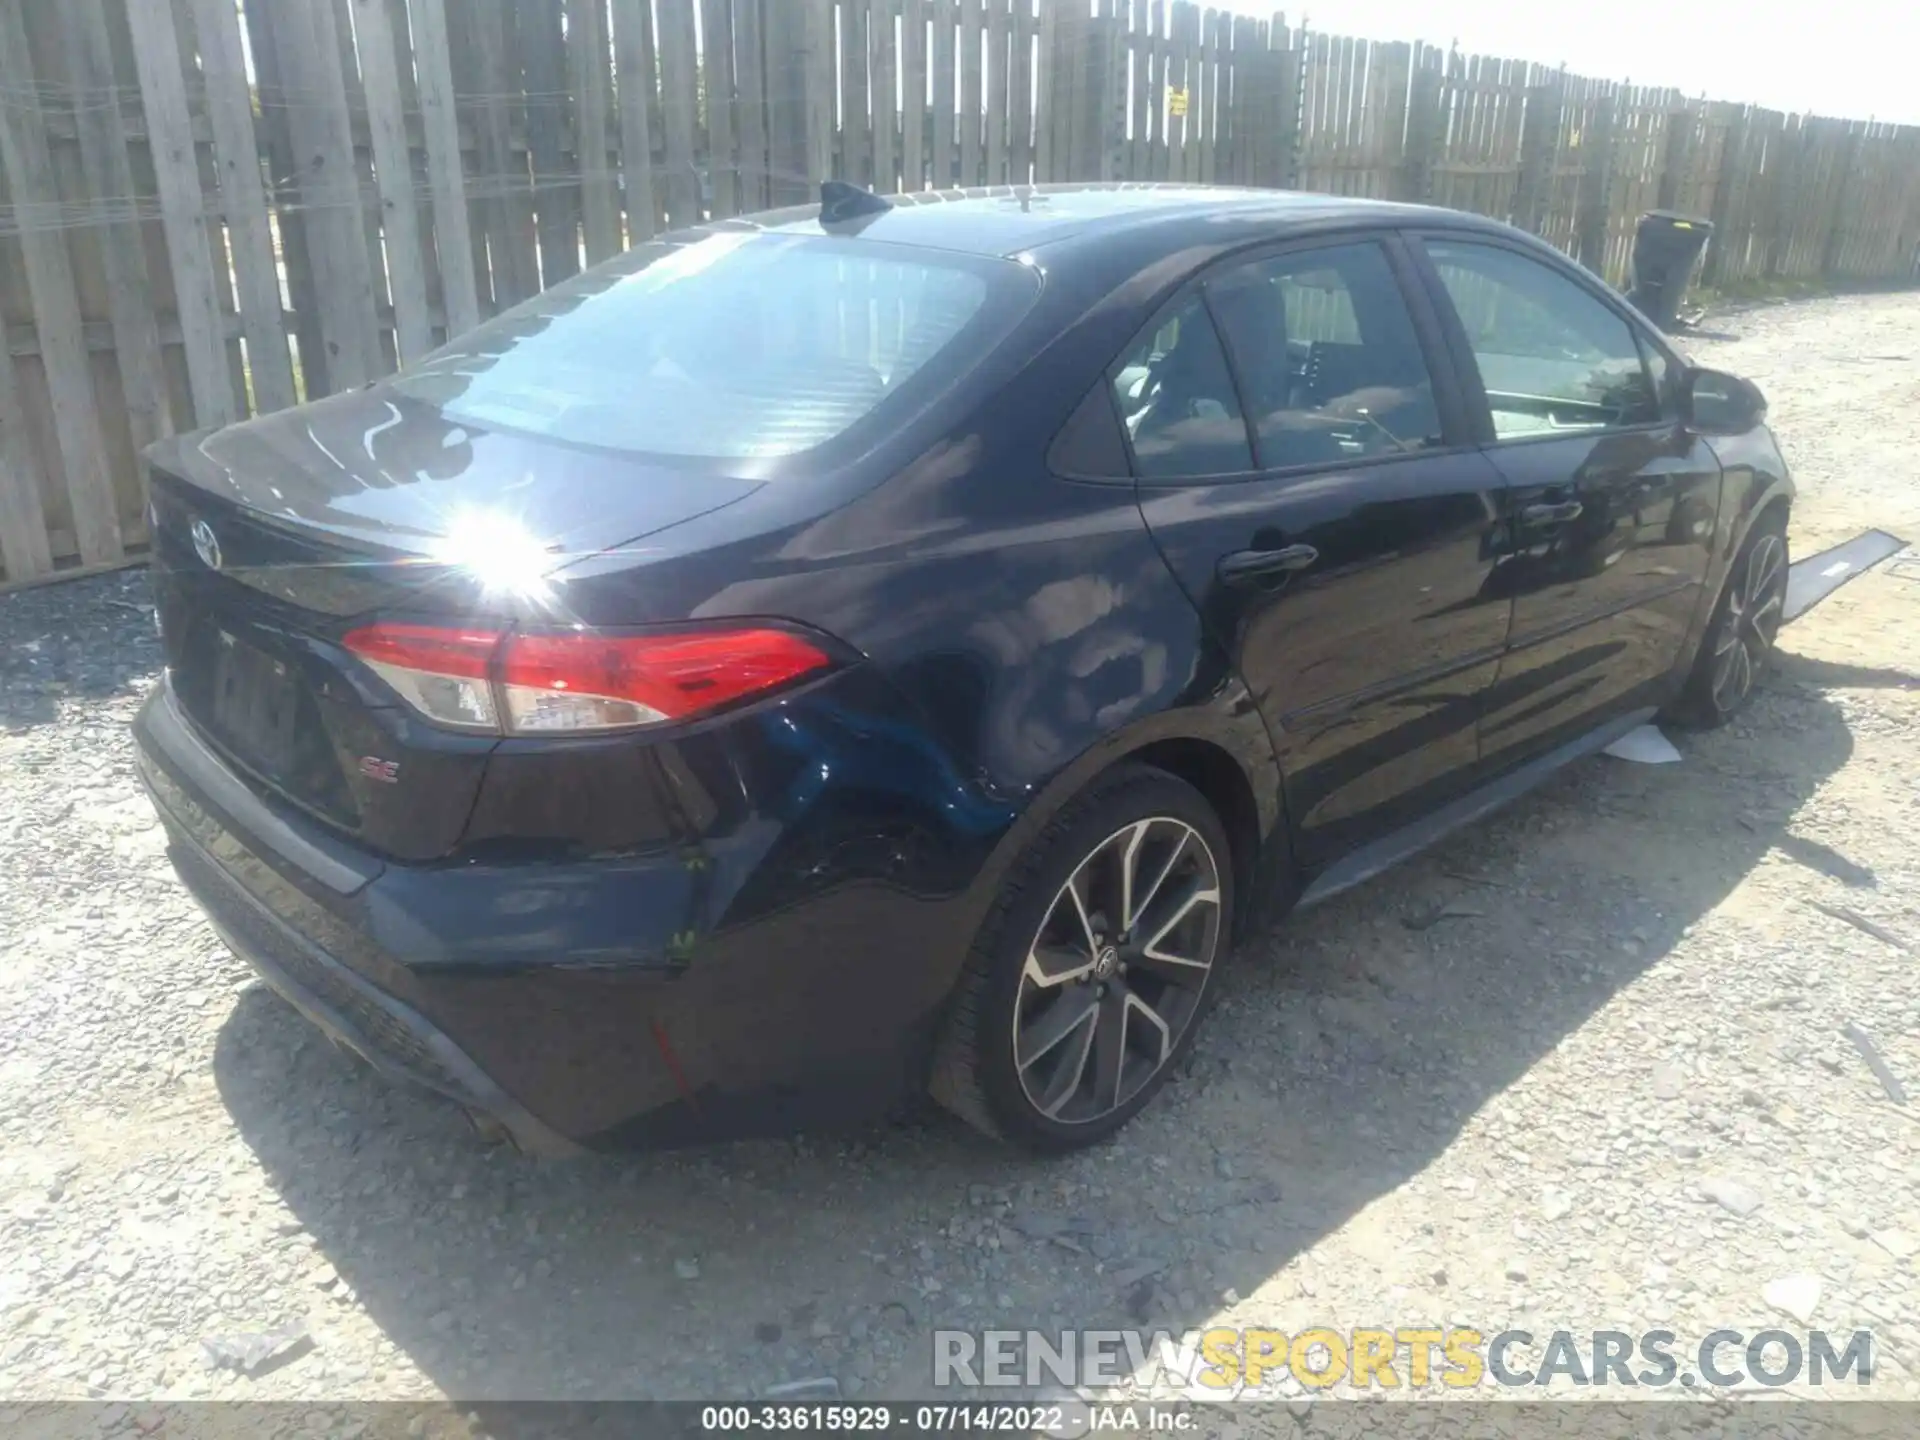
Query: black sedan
{"type": "Point", "coordinates": [847, 653]}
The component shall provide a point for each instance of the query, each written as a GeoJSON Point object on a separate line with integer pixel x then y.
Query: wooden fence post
{"type": "Point", "coordinates": [794, 33]}
{"type": "Point", "coordinates": [1111, 98]}
{"type": "Point", "coordinates": [1291, 105]}
{"type": "Point", "coordinates": [35, 201]}
{"type": "Point", "coordinates": [539, 48]}
{"type": "Point", "coordinates": [103, 161]}
{"type": "Point", "coordinates": [1837, 212]}
{"type": "Point", "coordinates": [1729, 201]}
{"type": "Point", "coordinates": [678, 50]}
{"type": "Point", "coordinates": [1676, 158]}
{"type": "Point", "coordinates": [176, 174]}
{"type": "Point", "coordinates": [1395, 61]}
{"type": "Point", "coordinates": [393, 173]}
{"type": "Point", "coordinates": [446, 176]}
{"type": "Point", "coordinates": [1269, 129]}
{"type": "Point", "coordinates": [718, 90]}
{"type": "Point", "coordinates": [1909, 241]}
{"type": "Point", "coordinates": [1424, 125]}
{"type": "Point", "coordinates": [820, 93]}
{"type": "Point", "coordinates": [588, 54]}
{"type": "Point", "coordinates": [1539, 147]}
{"type": "Point", "coordinates": [1784, 159]}
{"type": "Point", "coordinates": [308, 50]}
{"type": "Point", "coordinates": [1596, 187]}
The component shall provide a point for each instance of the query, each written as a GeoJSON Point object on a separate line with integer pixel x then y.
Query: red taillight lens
{"type": "Point", "coordinates": [605, 682]}
{"type": "Point", "coordinates": [579, 680]}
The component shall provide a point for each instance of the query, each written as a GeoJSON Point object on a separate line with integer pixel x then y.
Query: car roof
{"type": "Point", "coordinates": [1008, 220]}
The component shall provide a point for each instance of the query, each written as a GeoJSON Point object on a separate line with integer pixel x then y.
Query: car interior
{"type": "Point", "coordinates": [1330, 375]}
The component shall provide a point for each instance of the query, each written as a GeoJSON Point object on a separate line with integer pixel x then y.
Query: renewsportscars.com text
{"type": "Point", "coordinates": [1226, 1360]}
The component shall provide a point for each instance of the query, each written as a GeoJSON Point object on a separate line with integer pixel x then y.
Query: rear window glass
{"type": "Point", "coordinates": [738, 345]}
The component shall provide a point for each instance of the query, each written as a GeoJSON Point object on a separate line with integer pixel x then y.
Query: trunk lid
{"type": "Point", "coordinates": [273, 538]}
{"type": "Point", "coordinates": [408, 502]}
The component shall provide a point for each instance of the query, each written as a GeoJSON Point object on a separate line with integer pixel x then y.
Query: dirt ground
{"type": "Point", "coordinates": [1609, 1090]}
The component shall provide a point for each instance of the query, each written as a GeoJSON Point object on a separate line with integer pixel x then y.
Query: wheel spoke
{"type": "Point", "coordinates": [1110, 1049]}
{"type": "Point", "coordinates": [1738, 678]}
{"type": "Point", "coordinates": [1070, 1071]}
{"type": "Point", "coordinates": [1130, 869]}
{"type": "Point", "coordinates": [1184, 974]}
{"type": "Point", "coordinates": [1763, 569]}
{"type": "Point", "coordinates": [1060, 1020]}
{"type": "Point", "coordinates": [1050, 966]}
{"type": "Point", "coordinates": [1080, 906]}
{"type": "Point", "coordinates": [1155, 1027]}
{"type": "Point", "coordinates": [1203, 890]}
{"type": "Point", "coordinates": [1722, 669]}
{"type": "Point", "coordinates": [1136, 912]}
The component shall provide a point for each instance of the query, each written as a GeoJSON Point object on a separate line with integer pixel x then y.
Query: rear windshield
{"type": "Point", "coordinates": [741, 344]}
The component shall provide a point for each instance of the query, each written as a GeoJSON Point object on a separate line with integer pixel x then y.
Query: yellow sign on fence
{"type": "Point", "coordinates": [1177, 102]}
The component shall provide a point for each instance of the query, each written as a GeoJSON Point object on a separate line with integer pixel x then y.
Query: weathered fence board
{"type": "Point", "coordinates": [882, 52]}
{"type": "Point", "coordinates": [943, 14]}
{"type": "Point", "coordinates": [446, 179]}
{"type": "Point", "coordinates": [393, 172]}
{"type": "Point", "coordinates": [243, 195]}
{"type": "Point", "coordinates": [716, 56]}
{"type": "Point", "coordinates": [35, 202]}
{"type": "Point", "coordinates": [972, 19]}
{"type": "Point", "coordinates": [587, 65]}
{"type": "Point", "coordinates": [156, 54]}
{"type": "Point", "coordinates": [295, 195]}
{"type": "Point", "coordinates": [109, 176]}
{"type": "Point", "coordinates": [633, 68]}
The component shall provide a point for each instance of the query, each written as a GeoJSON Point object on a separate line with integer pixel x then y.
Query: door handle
{"type": "Point", "coordinates": [1245, 566]}
{"type": "Point", "coordinates": [1551, 514]}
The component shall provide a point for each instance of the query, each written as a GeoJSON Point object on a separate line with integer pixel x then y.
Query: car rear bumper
{"type": "Point", "coordinates": [550, 996]}
{"type": "Point", "coordinates": [390, 1036]}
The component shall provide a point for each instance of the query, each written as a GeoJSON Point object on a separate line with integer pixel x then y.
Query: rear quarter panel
{"type": "Point", "coordinates": [1028, 622]}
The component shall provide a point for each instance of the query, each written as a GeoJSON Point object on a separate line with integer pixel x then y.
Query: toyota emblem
{"type": "Point", "coordinates": [206, 544]}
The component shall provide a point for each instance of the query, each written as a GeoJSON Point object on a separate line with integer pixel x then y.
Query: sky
{"type": "Point", "coordinates": [1856, 59]}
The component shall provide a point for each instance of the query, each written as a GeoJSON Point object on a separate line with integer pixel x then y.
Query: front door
{"type": "Point", "coordinates": [1322, 504]}
{"type": "Point", "coordinates": [1612, 502]}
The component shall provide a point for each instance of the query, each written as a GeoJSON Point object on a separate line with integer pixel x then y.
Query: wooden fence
{"type": "Point", "coordinates": [210, 209]}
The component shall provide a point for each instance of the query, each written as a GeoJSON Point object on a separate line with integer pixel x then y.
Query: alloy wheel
{"type": "Point", "coordinates": [1751, 622]}
{"type": "Point", "coordinates": [1116, 970]}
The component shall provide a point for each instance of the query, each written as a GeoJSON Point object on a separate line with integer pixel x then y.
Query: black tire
{"type": "Point", "coordinates": [977, 1074]}
{"type": "Point", "coordinates": [1738, 641]}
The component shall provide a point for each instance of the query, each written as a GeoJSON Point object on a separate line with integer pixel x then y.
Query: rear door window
{"type": "Point", "coordinates": [1176, 397]}
{"type": "Point", "coordinates": [739, 345]}
{"type": "Point", "coordinates": [1328, 356]}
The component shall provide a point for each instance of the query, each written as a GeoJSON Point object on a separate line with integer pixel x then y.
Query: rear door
{"type": "Point", "coordinates": [1306, 469]}
{"type": "Point", "coordinates": [1613, 502]}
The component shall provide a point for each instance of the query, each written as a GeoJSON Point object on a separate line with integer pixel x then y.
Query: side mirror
{"type": "Point", "coordinates": [1721, 404]}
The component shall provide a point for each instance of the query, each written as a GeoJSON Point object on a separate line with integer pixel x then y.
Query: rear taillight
{"type": "Point", "coordinates": [575, 681]}
{"type": "Point", "coordinates": [444, 674]}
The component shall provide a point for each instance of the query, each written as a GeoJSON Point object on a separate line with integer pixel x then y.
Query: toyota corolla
{"type": "Point", "coordinates": [894, 647]}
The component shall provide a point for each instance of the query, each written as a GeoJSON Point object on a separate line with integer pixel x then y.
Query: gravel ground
{"type": "Point", "coordinates": [1609, 1088]}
